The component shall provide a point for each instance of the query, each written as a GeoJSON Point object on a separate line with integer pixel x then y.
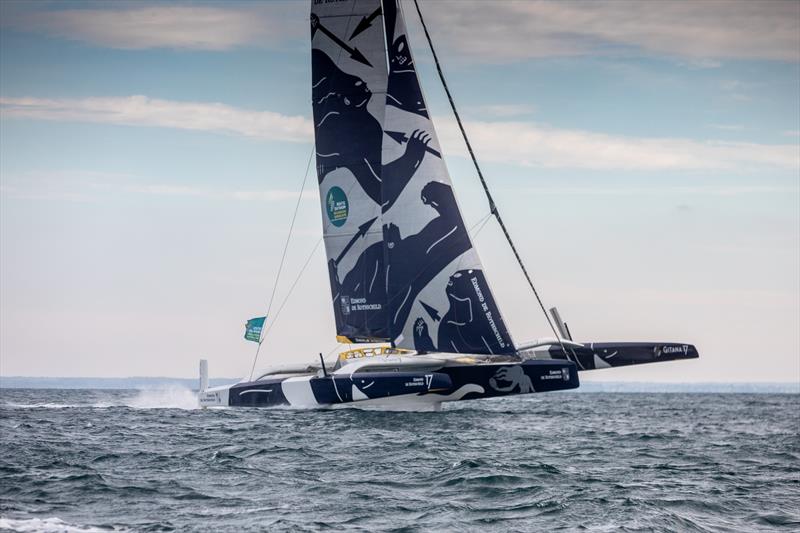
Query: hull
{"type": "Point", "coordinates": [387, 388]}
{"type": "Point", "coordinates": [598, 355]}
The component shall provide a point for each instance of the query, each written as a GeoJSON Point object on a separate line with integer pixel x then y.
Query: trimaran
{"type": "Point", "coordinates": [403, 269]}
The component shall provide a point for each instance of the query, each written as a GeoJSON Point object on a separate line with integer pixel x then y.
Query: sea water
{"type": "Point", "coordinates": [82, 460]}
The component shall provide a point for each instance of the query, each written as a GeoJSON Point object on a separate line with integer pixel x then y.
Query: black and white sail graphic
{"type": "Point", "coordinates": [402, 265]}
{"type": "Point", "coordinates": [437, 295]}
{"type": "Point", "coordinates": [349, 76]}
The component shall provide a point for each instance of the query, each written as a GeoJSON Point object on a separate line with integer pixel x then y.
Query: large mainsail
{"type": "Point", "coordinates": [437, 293]}
{"type": "Point", "coordinates": [349, 75]}
{"type": "Point", "coordinates": [401, 262]}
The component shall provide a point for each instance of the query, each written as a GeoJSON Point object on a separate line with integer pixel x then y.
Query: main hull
{"type": "Point", "coordinates": [388, 388]}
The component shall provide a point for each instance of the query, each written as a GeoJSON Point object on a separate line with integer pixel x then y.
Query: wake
{"type": "Point", "coordinates": [172, 397]}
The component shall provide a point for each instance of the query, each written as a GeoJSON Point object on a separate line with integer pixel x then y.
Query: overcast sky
{"type": "Point", "coordinates": [645, 156]}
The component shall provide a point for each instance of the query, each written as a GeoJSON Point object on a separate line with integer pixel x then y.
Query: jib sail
{"type": "Point", "coordinates": [437, 294]}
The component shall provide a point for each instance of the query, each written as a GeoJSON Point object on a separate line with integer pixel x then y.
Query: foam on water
{"type": "Point", "coordinates": [164, 398]}
{"type": "Point", "coordinates": [48, 525]}
{"type": "Point", "coordinates": [169, 397]}
{"type": "Point", "coordinates": [12, 405]}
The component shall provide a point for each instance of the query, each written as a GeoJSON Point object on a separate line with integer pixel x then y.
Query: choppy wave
{"type": "Point", "coordinates": [149, 461]}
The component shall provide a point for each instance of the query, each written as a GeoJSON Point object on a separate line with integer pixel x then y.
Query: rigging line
{"type": "Point", "coordinates": [338, 345]}
{"type": "Point", "coordinates": [492, 205]}
{"type": "Point", "coordinates": [283, 256]}
{"type": "Point", "coordinates": [482, 223]}
{"type": "Point", "coordinates": [265, 331]}
{"type": "Point", "coordinates": [479, 223]}
{"type": "Point", "coordinates": [291, 289]}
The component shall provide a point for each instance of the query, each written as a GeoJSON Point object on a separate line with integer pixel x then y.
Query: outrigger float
{"type": "Point", "coordinates": [403, 269]}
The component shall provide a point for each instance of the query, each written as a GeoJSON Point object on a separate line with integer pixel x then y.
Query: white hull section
{"type": "Point", "coordinates": [214, 397]}
{"type": "Point", "coordinates": [298, 392]}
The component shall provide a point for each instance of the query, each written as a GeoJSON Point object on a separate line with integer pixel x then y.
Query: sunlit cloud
{"type": "Point", "coordinates": [144, 111]}
{"type": "Point", "coordinates": [700, 32]}
{"type": "Point", "coordinates": [90, 186]}
{"type": "Point", "coordinates": [697, 30]}
{"type": "Point", "coordinates": [199, 27]}
{"type": "Point", "coordinates": [528, 144]}
{"type": "Point", "coordinates": [502, 110]}
{"type": "Point", "coordinates": [512, 142]}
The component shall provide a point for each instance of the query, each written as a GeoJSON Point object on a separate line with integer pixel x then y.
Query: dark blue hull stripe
{"type": "Point", "coordinates": [596, 355]}
{"type": "Point", "coordinates": [467, 382]}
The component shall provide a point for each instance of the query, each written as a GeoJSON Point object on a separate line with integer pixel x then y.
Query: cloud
{"type": "Point", "coordinates": [265, 195]}
{"type": "Point", "coordinates": [91, 186]}
{"type": "Point", "coordinates": [696, 30]}
{"type": "Point", "coordinates": [502, 110]}
{"type": "Point", "coordinates": [699, 190]}
{"type": "Point", "coordinates": [529, 144]}
{"type": "Point", "coordinates": [736, 90]}
{"type": "Point", "coordinates": [200, 27]}
{"type": "Point", "coordinates": [512, 142]}
{"type": "Point", "coordinates": [700, 63]}
{"type": "Point", "coordinates": [144, 111]}
{"type": "Point", "coordinates": [727, 127]}
{"type": "Point", "coordinates": [700, 32]}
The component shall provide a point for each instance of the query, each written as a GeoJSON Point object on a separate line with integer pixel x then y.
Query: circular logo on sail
{"type": "Point", "coordinates": [336, 206]}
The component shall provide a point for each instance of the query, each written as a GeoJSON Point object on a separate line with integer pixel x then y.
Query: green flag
{"type": "Point", "coordinates": [253, 328]}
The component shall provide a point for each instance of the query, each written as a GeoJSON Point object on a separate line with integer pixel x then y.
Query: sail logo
{"type": "Point", "coordinates": [337, 206]}
{"type": "Point", "coordinates": [361, 304]}
{"type": "Point", "coordinates": [345, 303]}
{"type": "Point", "coordinates": [488, 313]}
{"type": "Point", "coordinates": [676, 349]}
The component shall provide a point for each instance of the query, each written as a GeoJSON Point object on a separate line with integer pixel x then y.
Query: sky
{"type": "Point", "coordinates": [645, 157]}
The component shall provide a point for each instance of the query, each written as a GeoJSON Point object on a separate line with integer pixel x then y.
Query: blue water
{"type": "Point", "coordinates": [76, 460]}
